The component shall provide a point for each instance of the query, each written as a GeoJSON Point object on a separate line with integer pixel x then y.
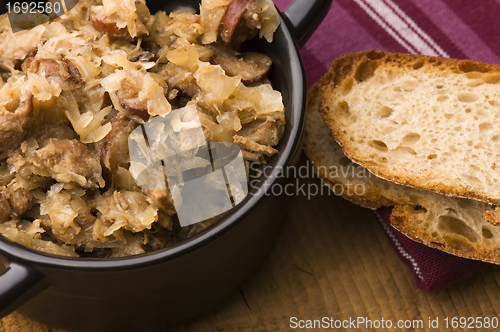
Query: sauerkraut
{"type": "Point", "coordinates": [73, 90]}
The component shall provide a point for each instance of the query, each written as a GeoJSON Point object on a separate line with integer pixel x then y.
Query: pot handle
{"type": "Point", "coordinates": [18, 284]}
{"type": "Point", "coordinates": [304, 16]}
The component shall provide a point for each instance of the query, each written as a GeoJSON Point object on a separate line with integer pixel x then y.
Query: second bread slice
{"type": "Point", "coordinates": [430, 123]}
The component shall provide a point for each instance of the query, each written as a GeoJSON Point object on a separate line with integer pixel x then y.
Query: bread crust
{"type": "Point", "coordinates": [324, 153]}
{"type": "Point", "coordinates": [353, 69]}
{"type": "Point", "coordinates": [408, 221]}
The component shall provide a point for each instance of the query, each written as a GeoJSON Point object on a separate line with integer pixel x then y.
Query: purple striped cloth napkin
{"type": "Point", "coordinates": [460, 29]}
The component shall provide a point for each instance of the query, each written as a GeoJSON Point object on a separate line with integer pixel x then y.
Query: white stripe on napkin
{"type": "Point", "coordinates": [400, 247]}
{"type": "Point", "coordinates": [401, 27]}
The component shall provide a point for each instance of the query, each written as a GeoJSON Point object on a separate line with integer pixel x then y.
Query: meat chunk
{"type": "Point", "coordinates": [18, 195]}
{"type": "Point", "coordinates": [71, 160]}
{"type": "Point", "coordinates": [74, 73]}
{"type": "Point", "coordinates": [92, 100]}
{"type": "Point", "coordinates": [4, 207]}
{"type": "Point", "coordinates": [135, 107]}
{"type": "Point", "coordinates": [16, 119]}
{"type": "Point", "coordinates": [51, 68]}
{"type": "Point", "coordinates": [129, 100]}
{"type": "Point", "coordinates": [231, 19]}
{"type": "Point", "coordinates": [268, 132]}
{"type": "Point", "coordinates": [113, 149]}
{"type": "Point", "coordinates": [180, 78]}
{"type": "Point", "coordinates": [110, 29]}
{"type": "Point", "coordinates": [46, 67]}
{"type": "Point", "coordinates": [251, 66]}
{"type": "Point", "coordinates": [20, 201]}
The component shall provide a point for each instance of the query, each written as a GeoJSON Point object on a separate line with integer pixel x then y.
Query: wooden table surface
{"type": "Point", "coordinates": [332, 260]}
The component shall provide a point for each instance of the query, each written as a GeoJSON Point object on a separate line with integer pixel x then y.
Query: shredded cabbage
{"type": "Point", "coordinates": [74, 93]}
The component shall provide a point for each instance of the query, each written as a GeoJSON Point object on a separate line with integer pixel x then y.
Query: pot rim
{"type": "Point", "coordinates": [16, 251]}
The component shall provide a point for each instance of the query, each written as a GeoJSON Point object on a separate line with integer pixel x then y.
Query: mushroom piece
{"type": "Point", "coordinates": [268, 132]}
{"type": "Point", "coordinates": [251, 66]}
{"type": "Point", "coordinates": [74, 73]}
{"type": "Point", "coordinates": [180, 78]}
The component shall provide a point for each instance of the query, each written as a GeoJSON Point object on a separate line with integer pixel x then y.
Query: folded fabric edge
{"type": "Point", "coordinates": [433, 269]}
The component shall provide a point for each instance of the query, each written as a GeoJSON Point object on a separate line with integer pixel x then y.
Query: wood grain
{"type": "Point", "coordinates": [331, 259]}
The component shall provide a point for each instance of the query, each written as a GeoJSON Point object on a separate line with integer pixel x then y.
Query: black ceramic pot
{"type": "Point", "coordinates": [145, 292]}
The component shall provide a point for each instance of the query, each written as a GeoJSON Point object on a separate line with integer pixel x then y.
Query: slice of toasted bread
{"type": "Point", "coordinates": [427, 122]}
{"type": "Point", "coordinates": [451, 224]}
